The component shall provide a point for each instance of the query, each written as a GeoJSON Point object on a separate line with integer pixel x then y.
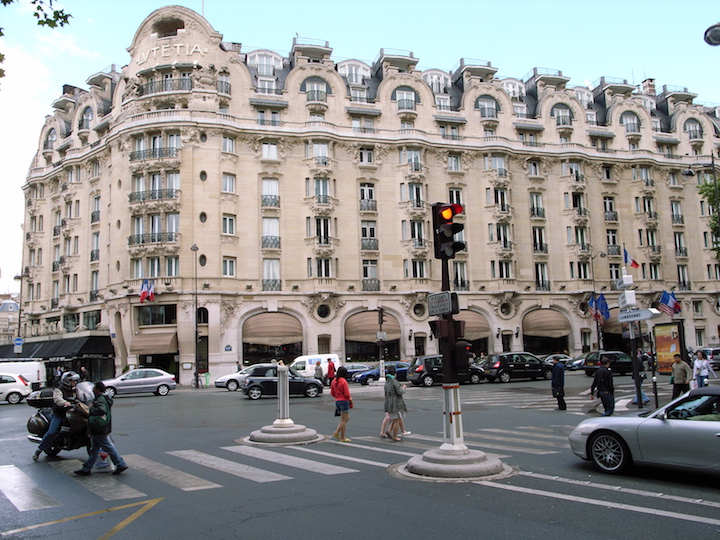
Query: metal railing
{"type": "Point", "coordinates": [153, 195]}
{"type": "Point", "coordinates": [316, 95]}
{"type": "Point", "coordinates": [271, 285]}
{"type": "Point", "coordinates": [271, 242]}
{"type": "Point", "coordinates": [540, 247]}
{"type": "Point", "coordinates": [94, 216]}
{"type": "Point", "coordinates": [406, 104]}
{"type": "Point", "coordinates": [611, 215]}
{"type": "Point", "coordinates": [152, 238]}
{"type": "Point", "coordinates": [368, 205]}
{"type": "Point", "coordinates": [678, 219]}
{"type": "Point", "coordinates": [166, 85]}
{"type": "Point", "coordinates": [94, 255]}
{"type": "Point", "coordinates": [270, 200]}
{"type": "Point", "coordinates": [369, 244]}
{"type": "Point", "coordinates": [370, 284]}
{"type": "Point", "coordinates": [223, 87]}
{"type": "Point", "coordinates": [154, 153]}
{"type": "Point", "coordinates": [537, 212]}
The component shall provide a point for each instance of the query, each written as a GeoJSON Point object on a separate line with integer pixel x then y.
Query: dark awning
{"type": "Point", "coordinates": [63, 348]}
{"type": "Point", "coordinates": [160, 343]}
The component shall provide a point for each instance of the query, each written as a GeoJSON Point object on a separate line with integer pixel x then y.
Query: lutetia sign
{"type": "Point", "coordinates": [169, 51]}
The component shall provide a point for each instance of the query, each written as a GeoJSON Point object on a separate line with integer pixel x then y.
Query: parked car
{"type": "Point", "coordinates": [523, 365]}
{"type": "Point", "coordinates": [620, 362]}
{"type": "Point", "coordinates": [681, 434]}
{"type": "Point", "coordinates": [140, 380]}
{"type": "Point", "coordinates": [234, 381]}
{"type": "Point", "coordinates": [578, 363]}
{"type": "Point", "coordinates": [713, 356]}
{"type": "Point", "coordinates": [354, 368]}
{"type": "Point", "coordinates": [264, 382]}
{"type": "Point", "coordinates": [14, 388]}
{"type": "Point", "coordinates": [401, 369]}
{"type": "Point", "coordinates": [428, 370]}
{"type": "Point", "coordinates": [564, 359]}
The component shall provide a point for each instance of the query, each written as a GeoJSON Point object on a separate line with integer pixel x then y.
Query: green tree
{"type": "Point", "coordinates": [709, 191]}
{"type": "Point", "coordinates": [45, 14]}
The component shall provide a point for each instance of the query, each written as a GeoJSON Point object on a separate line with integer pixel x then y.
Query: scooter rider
{"type": "Point", "coordinates": [61, 404]}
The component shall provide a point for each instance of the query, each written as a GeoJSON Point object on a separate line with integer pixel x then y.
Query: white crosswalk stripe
{"type": "Point", "coordinates": [328, 458]}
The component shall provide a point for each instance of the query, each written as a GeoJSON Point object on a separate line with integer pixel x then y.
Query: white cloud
{"type": "Point", "coordinates": [58, 44]}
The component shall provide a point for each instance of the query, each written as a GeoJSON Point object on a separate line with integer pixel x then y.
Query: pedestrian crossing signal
{"type": "Point", "coordinates": [445, 230]}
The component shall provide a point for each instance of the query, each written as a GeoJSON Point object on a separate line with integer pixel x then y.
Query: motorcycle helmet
{"type": "Point", "coordinates": [67, 377]}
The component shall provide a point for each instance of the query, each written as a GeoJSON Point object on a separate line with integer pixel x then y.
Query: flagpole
{"type": "Point", "coordinates": [601, 344]}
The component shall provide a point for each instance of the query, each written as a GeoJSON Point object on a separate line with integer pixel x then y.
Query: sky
{"type": "Point", "coordinates": [628, 39]}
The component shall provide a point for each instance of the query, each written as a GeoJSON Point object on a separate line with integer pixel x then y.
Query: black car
{"type": "Point", "coordinates": [264, 382]}
{"type": "Point", "coordinates": [620, 362]}
{"type": "Point", "coordinates": [515, 365]}
{"type": "Point", "coordinates": [428, 370]}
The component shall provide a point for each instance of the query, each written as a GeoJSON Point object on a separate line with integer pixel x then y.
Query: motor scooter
{"type": "Point", "coordinates": [73, 432]}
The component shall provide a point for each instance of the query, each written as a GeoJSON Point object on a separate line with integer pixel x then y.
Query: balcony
{"type": "Point", "coordinates": [611, 215]}
{"type": "Point", "coordinates": [369, 244]}
{"type": "Point", "coordinates": [370, 284]}
{"type": "Point", "coordinates": [540, 248]}
{"type": "Point", "coordinates": [542, 285]}
{"type": "Point", "coordinates": [613, 250]}
{"type": "Point", "coordinates": [270, 201]}
{"type": "Point", "coordinates": [632, 127]}
{"type": "Point", "coordinates": [272, 285]}
{"type": "Point", "coordinates": [681, 251]}
{"type": "Point", "coordinates": [95, 216]}
{"type": "Point", "coordinates": [152, 238]}
{"type": "Point", "coordinates": [153, 195]}
{"type": "Point", "coordinates": [154, 153]}
{"type": "Point", "coordinates": [184, 84]}
{"type": "Point", "coordinates": [695, 134]}
{"type": "Point", "coordinates": [316, 95]}
{"type": "Point", "coordinates": [537, 212]}
{"type": "Point", "coordinates": [54, 302]}
{"type": "Point", "coordinates": [56, 266]}
{"type": "Point", "coordinates": [94, 255]}
{"type": "Point", "coordinates": [488, 112]}
{"type": "Point", "coordinates": [461, 284]}
{"type": "Point", "coordinates": [368, 205]}
{"type": "Point", "coordinates": [502, 212]}
{"type": "Point", "coordinates": [563, 120]}
{"type": "Point", "coordinates": [223, 87]}
{"type": "Point", "coordinates": [678, 219]}
{"type": "Point", "coordinates": [415, 166]}
{"type": "Point", "coordinates": [684, 285]}
{"type": "Point", "coordinates": [406, 104]}
{"type": "Point", "coordinates": [270, 242]}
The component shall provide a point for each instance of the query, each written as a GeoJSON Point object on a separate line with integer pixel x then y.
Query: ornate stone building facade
{"type": "Point", "coordinates": [305, 184]}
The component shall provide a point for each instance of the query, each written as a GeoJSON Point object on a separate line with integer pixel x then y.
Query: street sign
{"type": "Point", "coordinates": [18, 341]}
{"type": "Point", "coordinates": [638, 315]}
{"type": "Point", "coordinates": [440, 303]}
{"type": "Point", "coordinates": [381, 336]}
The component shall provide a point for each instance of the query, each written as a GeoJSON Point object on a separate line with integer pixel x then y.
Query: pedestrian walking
{"type": "Point", "coordinates": [340, 390]}
{"type": "Point", "coordinates": [557, 383]}
{"type": "Point", "coordinates": [99, 429]}
{"type": "Point", "coordinates": [681, 375]}
{"type": "Point", "coordinates": [319, 371]}
{"type": "Point", "coordinates": [701, 370]}
{"type": "Point", "coordinates": [603, 383]}
{"type": "Point", "coordinates": [394, 404]}
{"type": "Point", "coordinates": [330, 372]}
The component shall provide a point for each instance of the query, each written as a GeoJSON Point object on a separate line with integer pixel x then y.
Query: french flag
{"type": "Point", "coordinates": [147, 292]}
{"type": "Point", "coordinates": [629, 260]}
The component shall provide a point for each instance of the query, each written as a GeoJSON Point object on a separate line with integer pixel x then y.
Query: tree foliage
{"type": "Point", "coordinates": [709, 192]}
{"type": "Point", "coordinates": [45, 14]}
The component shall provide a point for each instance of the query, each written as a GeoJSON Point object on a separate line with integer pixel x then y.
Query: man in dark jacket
{"type": "Point", "coordinates": [603, 382]}
{"type": "Point", "coordinates": [558, 383]}
{"type": "Point", "coordinates": [99, 427]}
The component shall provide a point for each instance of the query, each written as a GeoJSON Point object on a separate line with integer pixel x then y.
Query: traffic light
{"type": "Point", "coordinates": [462, 354]}
{"type": "Point", "coordinates": [381, 317]}
{"type": "Point", "coordinates": [444, 230]}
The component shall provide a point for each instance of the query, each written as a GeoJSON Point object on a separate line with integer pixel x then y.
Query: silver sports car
{"type": "Point", "coordinates": [685, 433]}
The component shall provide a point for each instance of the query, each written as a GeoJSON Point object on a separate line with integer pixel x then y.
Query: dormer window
{"type": "Point", "coordinates": [87, 117]}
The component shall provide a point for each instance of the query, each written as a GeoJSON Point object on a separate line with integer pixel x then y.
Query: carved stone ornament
{"type": "Point", "coordinates": [506, 297]}
{"type": "Point", "coordinates": [409, 300]}
{"type": "Point", "coordinates": [227, 313]}
{"type": "Point", "coordinates": [317, 299]}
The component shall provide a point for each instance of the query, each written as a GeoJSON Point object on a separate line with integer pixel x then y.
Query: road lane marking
{"type": "Point", "coordinates": [606, 504]}
{"type": "Point", "coordinates": [290, 461]}
{"type": "Point", "coordinates": [524, 440]}
{"type": "Point", "coordinates": [229, 467]}
{"type": "Point", "coordinates": [344, 458]}
{"type": "Point", "coordinates": [483, 445]}
{"type": "Point", "coordinates": [104, 485]}
{"type": "Point", "coordinates": [524, 433]}
{"type": "Point", "coordinates": [22, 492]}
{"type": "Point", "coordinates": [145, 504]}
{"type": "Point", "coordinates": [173, 477]}
{"type": "Point", "coordinates": [663, 496]}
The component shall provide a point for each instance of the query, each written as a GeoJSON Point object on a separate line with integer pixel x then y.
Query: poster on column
{"type": "Point", "coordinates": [669, 340]}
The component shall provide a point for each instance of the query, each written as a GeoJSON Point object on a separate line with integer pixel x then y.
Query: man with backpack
{"type": "Point", "coordinates": [99, 429]}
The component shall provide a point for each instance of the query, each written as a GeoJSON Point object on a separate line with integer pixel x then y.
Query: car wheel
{"type": "Point", "coordinates": [589, 373]}
{"type": "Point", "coordinates": [110, 391]}
{"type": "Point", "coordinates": [232, 385]}
{"type": "Point", "coordinates": [547, 373]}
{"type": "Point", "coordinates": [162, 390]}
{"type": "Point", "coordinates": [13, 398]}
{"type": "Point", "coordinates": [427, 380]}
{"type": "Point", "coordinates": [312, 391]}
{"type": "Point", "coordinates": [609, 453]}
{"type": "Point", "coordinates": [474, 378]}
{"type": "Point", "coordinates": [504, 377]}
{"type": "Point", "coordinates": [254, 392]}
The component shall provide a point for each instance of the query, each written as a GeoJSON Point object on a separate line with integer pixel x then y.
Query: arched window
{"type": "Point", "coordinates": [488, 106]}
{"type": "Point", "coordinates": [315, 88]}
{"type": "Point", "coordinates": [562, 113]}
{"type": "Point", "coordinates": [693, 128]}
{"type": "Point", "coordinates": [87, 117]}
{"type": "Point", "coordinates": [631, 122]}
{"type": "Point", "coordinates": [49, 143]}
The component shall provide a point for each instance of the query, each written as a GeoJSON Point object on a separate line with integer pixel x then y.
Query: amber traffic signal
{"type": "Point", "coordinates": [445, 229]}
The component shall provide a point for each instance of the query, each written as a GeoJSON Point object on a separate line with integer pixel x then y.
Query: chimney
{"type": "Point", "coordinates": [648, 87]}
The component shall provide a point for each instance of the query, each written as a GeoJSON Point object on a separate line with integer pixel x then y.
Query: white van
{"type": "Point", "coordinates": [305, 364]}
{"type": "Point", "coordinates": [30, 368]}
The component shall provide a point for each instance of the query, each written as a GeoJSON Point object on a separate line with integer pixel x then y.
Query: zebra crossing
{"type": "Point", "coordinates": [185, 469]}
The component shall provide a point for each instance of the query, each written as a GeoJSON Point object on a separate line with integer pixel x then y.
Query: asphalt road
{"type": "Point", "coordinates": [192, 476]}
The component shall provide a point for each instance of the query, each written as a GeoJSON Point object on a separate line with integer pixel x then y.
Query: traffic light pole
{"type": "Point", "coordinates": [453, 438]}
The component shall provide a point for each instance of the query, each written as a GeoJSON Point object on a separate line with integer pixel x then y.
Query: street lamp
{"type": "Point", "coordinates": [689, 173]}
{"type": "Point", "coordinates": [712, 35]}
{"type": "Point", "coordinates": [195, 249]}
{"type": "Point", "coordinates": [601, 344]}
{"type": "Point", "coordinates": [19, 278]}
